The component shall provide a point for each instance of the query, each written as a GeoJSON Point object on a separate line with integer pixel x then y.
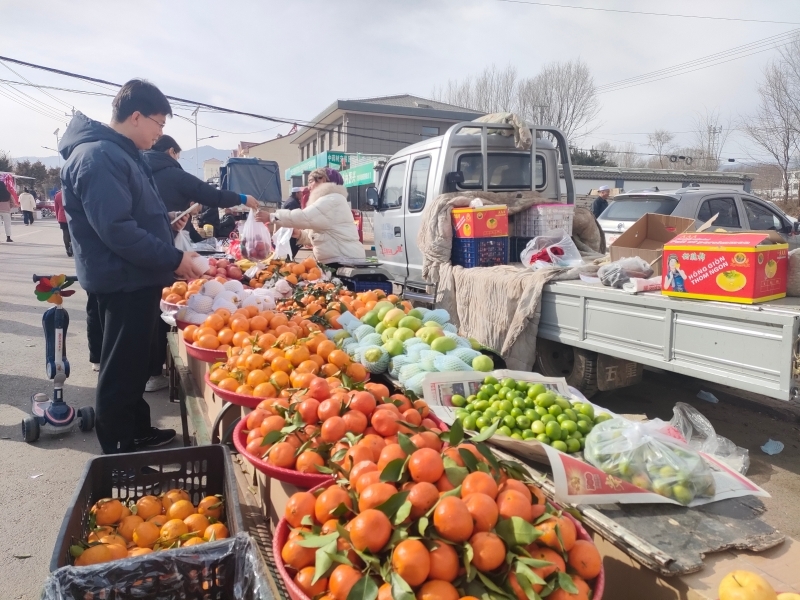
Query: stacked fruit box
{"type": "Point", "coordinates": [481, 236]}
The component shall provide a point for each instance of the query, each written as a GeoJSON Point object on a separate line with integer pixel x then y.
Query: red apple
{"type": "Point", "coordinates": [221, 272]}
{"type": "Point", "coordinates": [212, 262]}
{"type": "Point", "coordinates": [234, 272]}
{"type": "Point", "coordinates": [223, 263]}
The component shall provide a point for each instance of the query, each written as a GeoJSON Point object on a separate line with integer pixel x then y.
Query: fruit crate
{"type": "Point", "coordinates": [480, 252]}
{"type": "Point", "coordinates": [541, 218]}
{"type": "Point", "coordinates": [516, 246]}
{"type": "Point", "coordinates": [366, 285]}
{"type": "Point", "coordinates": [229, 568]}
{"type": "Point", "coordinates": [200, 470]}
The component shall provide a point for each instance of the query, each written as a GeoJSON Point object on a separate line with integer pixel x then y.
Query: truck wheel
{"type": "Point", "coordinates": [577, 366]}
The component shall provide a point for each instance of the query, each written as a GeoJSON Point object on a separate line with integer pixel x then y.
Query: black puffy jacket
{"type": "Point", "coordinates": [178, 188]}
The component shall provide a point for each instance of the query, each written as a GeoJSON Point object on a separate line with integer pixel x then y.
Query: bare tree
{"type": "Point", "coordinates": [563, 95]}
{"type": "Point", "coordinates": [493, 90]}
{"type": "Point", "coordinates": [711, 132]}
{"type": "Point", "coordinates": [661, 143]}
{"type": "Point", "coordinates": [790, 58]}
{"type": "Point", "coordinates": [774, 126]}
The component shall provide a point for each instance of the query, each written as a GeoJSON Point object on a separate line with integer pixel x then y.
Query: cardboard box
{"type": "Point", "coordinates": [729, 267]}
{"type": "Point", "coordinates": [646, 238]}
{"type": "Point", "coordinates": [486, 221]}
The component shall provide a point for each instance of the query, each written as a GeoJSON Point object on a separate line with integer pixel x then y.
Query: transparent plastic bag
{"type": "Point", "coordinates": [554, 249]}
{"type": "Point", "coordinates": [184, 243]}
{"type": "Point", "coordinates": [255, 242]}
{"type": "Point", "coordinates": [700, 435]}
{"type": "Point", "coordinates": [229, 568]}
{"type": "Point", "coordinates": [283, 248]}
{"type": "Point", "coordinates": [643, 455]}
{"type": "Point", "coordinates": [622, 271]}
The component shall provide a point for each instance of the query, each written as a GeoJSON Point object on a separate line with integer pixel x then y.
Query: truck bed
{"type": "Point", "coordinates": [750, 347]}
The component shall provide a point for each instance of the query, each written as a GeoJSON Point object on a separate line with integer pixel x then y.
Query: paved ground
{"type": "Point", "coordinates": [33, 507]}
{"type": "Point", "coordinates": [38, 480]}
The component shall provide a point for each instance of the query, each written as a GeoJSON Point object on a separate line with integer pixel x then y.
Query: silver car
{"type": "Point", "coordinates": [738, 211]}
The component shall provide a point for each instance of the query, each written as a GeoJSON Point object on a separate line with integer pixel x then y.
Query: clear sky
{"type": "Point", "coordinates": [293, 58]}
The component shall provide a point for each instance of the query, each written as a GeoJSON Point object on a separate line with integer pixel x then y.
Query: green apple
{"type": "Point", "coordinates": [443, 344]}
{"type": "Point", "coordinates": [340, 335]}
{"type": "Point", "coordinates": [482, 363]}
{"type": "Point", "coordinates": [373, 354]}
{"type": "Point", "coordinates": [388, 333]}
{"type": "Point", "coordinates": [380, 328]}
{"type": "Point", "coordinates": [403, 334]}
{"type": "Point", "coordinates": [394, 347]}
{"type": "Point", "coordinates": [393, 317]}
{"type": "Point", "coordinates": [428, 334]}
{"type": "Point", "coordinates": [476, 345]}
{"type": "Point", "coordinates": [382, 308]}
{"type": "Point", "coordinates": [412, 323]}
{"type": "Point", "coordinates": [432, 324]}
{"type": "Point", "coordinates": [371, 318]}
{"type": "Point", "coordinates": [415, 313]}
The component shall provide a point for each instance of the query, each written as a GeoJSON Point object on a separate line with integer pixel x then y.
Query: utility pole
{"type": "Point", "coordinates": [196, 141]}
{"type": "Point", "coordinates": [713, 133]}
{"type": "Point", "coordinates": [58, 154]}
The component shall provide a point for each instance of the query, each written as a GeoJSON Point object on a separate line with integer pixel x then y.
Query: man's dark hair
{"type": "Point", "coordinates": [26, 190]}
{"type": "Point", "coordinates": [140, 95]}
{"type": "Point", "coordinates": [165, 142]}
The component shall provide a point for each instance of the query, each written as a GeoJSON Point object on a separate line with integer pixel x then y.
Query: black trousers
{"type": "Point", "coordinates": [158, 349]}
{"type": "Point", "coordinates": [128, 326]}
{"type": "Point", "coordinates": [67, 239]}
{"type": "Point", "coordinates": [94, 329]}
{"type": "Point", "coordinates": [27, 216]}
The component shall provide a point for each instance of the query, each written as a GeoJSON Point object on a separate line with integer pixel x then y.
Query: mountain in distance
{"type": "Point", "coordinates": [187, 159]}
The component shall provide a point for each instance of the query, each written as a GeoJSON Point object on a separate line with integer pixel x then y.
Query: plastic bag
{"type": "Point", "coordinates": [254, 242]}
{"type": "Point", "coordinates": [643, 455]}
{"type": "Point", "coordinates": [554, 249]}
{"type": "Point", "coordinates": [622, 271]}
{"type": "Point", "coordinates": [283, 248]}
{"type": "Point", "coordinates": [700, 435]}
{"type": "Point", "coordinates": [184, 243]}
{"type": "Point", "coordinates": [229, 568]}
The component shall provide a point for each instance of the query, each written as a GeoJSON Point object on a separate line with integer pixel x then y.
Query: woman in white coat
{"type": "Point", "coordinates": [326, 223]}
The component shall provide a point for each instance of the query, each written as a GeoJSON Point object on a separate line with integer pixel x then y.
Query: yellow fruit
{"type": "Point", "coordinates": [181, 509]}
{"type": "Point", "coordinates": [107, 511]}
{"type": "Point", "coordinates": [770, 270]}
{"type": "Point", "coordinates": [731, 281]}
{"type": "Point", "coordinates": [117, 540]}
{"type": "Point", "coordinates": [128, 525]}
{"type": "Point", "coordinates": [172, 496]}
{"type": "Point", "coordinates": [94, 555]}
{"type": "Point", "coordinates": [744, 585]}
{"type": "Point", "coordinates": [788, 596]}
{"type": "Point", "coordinates": [145, 535]}
{"type": "Point", "coordinates": [148, 506]}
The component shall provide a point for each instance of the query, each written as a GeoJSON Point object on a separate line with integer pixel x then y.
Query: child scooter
{"type": "Point", "coordinates": [55, 415]}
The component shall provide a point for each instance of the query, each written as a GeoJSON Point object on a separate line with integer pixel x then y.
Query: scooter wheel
{"type": "Point", "coordinates": [30, 429]}
{"type": "Point", "coordinates": [86, 415]}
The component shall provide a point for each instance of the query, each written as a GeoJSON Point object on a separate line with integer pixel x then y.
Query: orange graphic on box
{"type": "Point", "coordinates": [481, 222]}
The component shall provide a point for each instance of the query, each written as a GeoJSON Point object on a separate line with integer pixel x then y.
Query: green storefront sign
{"type": "Point", "coordinates": [333, 160]}
{"type": "Point", "coordinates": [360, 175]}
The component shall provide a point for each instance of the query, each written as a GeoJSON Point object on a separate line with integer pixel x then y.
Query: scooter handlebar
{"type": "Point", "coordinates": [37, 278]}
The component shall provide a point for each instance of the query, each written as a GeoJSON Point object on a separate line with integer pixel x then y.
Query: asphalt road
{"type": "Point", "coordinates": [38, 480]}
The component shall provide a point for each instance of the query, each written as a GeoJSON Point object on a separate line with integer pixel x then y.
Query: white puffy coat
{"type": "Point", "coordinates": [327, 223]}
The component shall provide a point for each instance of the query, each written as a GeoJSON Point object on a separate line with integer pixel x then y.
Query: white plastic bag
{"type": "Point", "coordinates": [184, 243]}
{"type": "Point", "coordinates": [700, 435]}
{"type": "Point", "coordinates": [255, 242]}
{"type": "Point", "coordinates": [554, 249]}
{"type": "Point", "coordinates": [620, 272]}
{"type": "Point", "coordinates": [283, 248]}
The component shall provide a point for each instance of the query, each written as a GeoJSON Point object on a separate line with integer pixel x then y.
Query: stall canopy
{"type": "Point", "coordinates": [259, 178]}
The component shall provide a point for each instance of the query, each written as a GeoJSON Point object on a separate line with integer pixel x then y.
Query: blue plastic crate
{"type": "Point", "coordinates": [479, 252]}
{"type": "Point", "coordinates": [367, 286]}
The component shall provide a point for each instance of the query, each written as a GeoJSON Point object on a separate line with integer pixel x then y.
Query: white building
{"type": "Point", "coordinates": [211, 168]}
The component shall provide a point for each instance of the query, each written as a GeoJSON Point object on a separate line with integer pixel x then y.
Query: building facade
{"type": "Point", "coordinates": [280, 149]}
{"type": "Point", "coordinates": [211, 168]}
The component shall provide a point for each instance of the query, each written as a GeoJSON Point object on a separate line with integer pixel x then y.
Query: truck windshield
{"type": "Point", "coordinates": [507, 171]}
{"type": "Point", "coordinates": [632, 209]}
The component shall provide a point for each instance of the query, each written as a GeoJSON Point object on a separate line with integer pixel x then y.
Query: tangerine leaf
{"type": "Point", "coordinates": [271, 438]}
{"type": "Point", "coordinates": [318, 541]}
{"type": "Point", "coordinates": [406, 444]}
{"type": "Point", "coordinates": [402, 513]}
{"type": "Point", "coordinates": [393, 471]}
{"type": "Point", "coordinates": [393, 503]}
{"type": "Point", "coordinates": [400, 588]}
{"type": "Point", "coordinates": [487, 453]}
{"type": "Point", "coordinates": [340, 510]}
{"type": "Point", "coordinates": [456, 475]}
{"type": "Point", "coordinates": [529, 574]}
{"type": "Point", "coordinates": [469, 554]}
{"type": "Point", "coordinates": [398, 535]}
{"type": "Point", "coordinates": [364, 589]}
{"type": "Point", "coordinates": [565, 583]}
{"type": "Point", "coordinates": [469, 459]}
{"type": "Point", "coordinates": [456, 434]}
{"type": "Point", "coordinates": [324, 561]}
{"type": "Point", "coordinates": [343, 533]}
{"type": "Point", "coordinates": [516, 531]}
{"type": "Point", "coordinates": [422, 525]}
{"type": "Point", "coordinates": [456, 491]}
{"type": "Point", "coordinates": [491, 585]}
{"type": "Point", "coordinates": [485, 435]}
{"type": "Point", "coordinates": [536, 563]}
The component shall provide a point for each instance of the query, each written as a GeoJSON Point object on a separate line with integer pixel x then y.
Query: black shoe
{"type": "Point", "coordinates": [8, 238]}
{"type": "Point", "coordinates": [156, 437]}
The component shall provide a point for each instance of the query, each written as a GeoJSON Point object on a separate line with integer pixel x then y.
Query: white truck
{"type": "Point", "coordinates": [597, 337]}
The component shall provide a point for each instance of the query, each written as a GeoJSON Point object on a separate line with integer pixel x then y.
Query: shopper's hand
{"type": "Point", "coordinates": [180, 223]}
{"type": "Point", "coordinates": [188, 269]}
{"type": "Point", "coordinates": [262, 216]}
{"type": "Point", "coordinates": [252, 203]}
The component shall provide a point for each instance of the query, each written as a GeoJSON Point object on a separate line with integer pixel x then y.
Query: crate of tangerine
{"type": "Point", "coordinates": [728, 267]}
{"type": "Point", "coordinates": [481, 222]}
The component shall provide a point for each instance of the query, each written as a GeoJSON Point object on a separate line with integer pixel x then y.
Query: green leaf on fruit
{"type": "Point", "coordinates": [402, 513]}
{"type": "Point", "coordinates": [393, 471]}
{"type": "Point", "coordinates": [340, 510]}
{"type": "Point", "coordinates": [406, 444]}
{"type": "Point", "coordinates": [318, 541]}
{"type": "Point", "coordinates": [393, 503]}
{"type": "Point", "coordinates": [485, 435]}
{"type": "Point", "coordinates": [529, 574]}
{"type": "Point", "coordinates": [455, 475]}
{"type": "Point", "coordinates": [272, 437]}
{"type": "Point", "coordinates": [516, 531]}
{"type": "Point", "coordinates": [422, 525]}
{"type": "Point", "coordinates": [536, 563]}
{"type": "Point", "coordinates": [364, 589]}
{"type": "Point", "coordinates": [456, 434]}
{"type": "Point", "coordinates": [565, 583]}
{"type": "Point", "coordinates": [324, 561]}
{"type": "Point", "coordinates": [469, 459]}
{"type": "Point", "coordinates": [400, 588]}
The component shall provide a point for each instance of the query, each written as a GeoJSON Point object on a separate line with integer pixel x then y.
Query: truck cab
{"type": "Point", "coordinates": [470, 156]}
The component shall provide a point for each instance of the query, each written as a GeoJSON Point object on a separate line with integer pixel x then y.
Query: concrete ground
{"type": "Point", "coordinates": [38, 480]}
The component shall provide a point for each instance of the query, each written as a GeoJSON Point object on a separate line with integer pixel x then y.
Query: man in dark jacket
{"type": "Point", "coordinates": [601, 202]}
{"type": "Point", "coordinates": [124, 253]}
{"type": "Point", "coordinates": [179, 189]}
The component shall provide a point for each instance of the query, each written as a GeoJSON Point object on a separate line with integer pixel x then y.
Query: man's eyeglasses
{"type": "Point", "coordinates": [160, 125]}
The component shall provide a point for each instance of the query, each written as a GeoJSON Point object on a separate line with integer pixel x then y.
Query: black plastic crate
{"type": "Point", "coordinates": [479, 252]}
{"type": "Point", "coordinates": [200, 470]}
{"type": "Point", "coordinates": [516, 246]}
{"type": "Point", "coordinates": [229, 568]}
{"type": "Point", "coordinates": [366, 285]}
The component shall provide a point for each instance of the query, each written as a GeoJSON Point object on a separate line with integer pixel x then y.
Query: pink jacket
{"type": "Point", "coordinates": [61, 217]}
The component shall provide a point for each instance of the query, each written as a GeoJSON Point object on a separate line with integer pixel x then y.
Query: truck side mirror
{"type": "Point", "coordinates": [372, 196]}
{"type": "Point", "coordinates": [796, 227]}
{"type": "Point", "coordinates": [453, 179]}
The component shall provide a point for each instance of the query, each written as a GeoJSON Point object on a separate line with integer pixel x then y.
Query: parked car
{"type": "Point", "coordinates": [738, 211]}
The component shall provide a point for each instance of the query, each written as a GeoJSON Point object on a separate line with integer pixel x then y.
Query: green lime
{"type": "Point", "coordinates": [481, 422]}
{"type": "Point", "coordinates": [461, 414]}
{"type": "Point", "coordinates": [509, 383]}
{"type": "Point", "coordinates": [515, 412]}
{"type": "Point", "coordinates": [458, 400]}
{"type": "Point", "coordinates": [552, 429]}
{"type": "Point", "coordinates": [522, 386]}
{"type": "Point", "coordinates": [483, 395]}
{"type": "Point", "coordinates": [548, 418]}
{"type": "Point", "coordinates": [482, 404]}
{"type": "Point", "coordinates": [502, 413]}
{"type": "Point", "coordinates": [563, 402]}
{"type": "Point", "coordinates": [510, 421]}
{"type": "Point", "coordinates": [472, 398]}
{"type": "Point", "coordinates": [561, 417]}
{"type": "Point", "coordinates": [537, 427]}
{"type": "Point", "coordinates": [503, 392]}
{"type": "Point", "coordinates": [495, 404]}
{"type": "Point", "coordinates": [602, 417]}
{"type": "Point", "coordinates": [528, 434]}
{"type": "Point", "coordinates": [531, 414]}
{"type": "Point", "coordinates": [555, 410]}
{"type": "Point", "coordinates": [535, 390]}
{"type": "Point", "coordinates": [485, 429]}
{"type": "Point", "coordinates": [573, 445]}
{"type": "Point", "coordinates": [547, 399]}
{"type": "Point", "coordinates": [490, 380]}
{"type": "Point", "coordinates": [523, 422]}
{"type": "Point", "coordinates": [682, 494]}
{"type": "Point", "coordinates": [516, 430]}
{"type": "Point", "coordinates": [489, 413]}
{"type": "Point", "coordinates": [516, 436]}
{"type": "Point", "coordinates": [576, 435]}
{"type": "Point", "coordinates": [507, 431]}
{"type": "Point", "coordinates": [529, 403]}
{"type": "Point", "coordinates": [518, 403]}
{"type": "Point", "coordinates": [584, 427]}
{"type": "Point", "coordinates": [494, 398]}
{"type": "Point", "coordinates": [544, 439]}
{"type": "Point", "coordinates": [587, 410]}
{"type": "Point", "coordinates": [470, 422]}
{"type": "Point", "coordinates": [506, 405]}
{"type": "Point", "coordinates": [573, 416]}
{"type": "Point", "coordinates": [569, 426]}
{"type": "Point", "coordinates": [560, 446]}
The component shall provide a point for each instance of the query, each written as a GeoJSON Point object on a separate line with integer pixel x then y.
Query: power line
{"type": "Point", "coordinates": [26, 105]}
{"type": "Point", "coordinates": [639, 12]}
{"type": "Point", "coordinates": [37, 87]}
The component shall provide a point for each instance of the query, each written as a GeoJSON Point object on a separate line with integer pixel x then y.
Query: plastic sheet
{"type": "Point", "coordinates": [230, 568]}
{"type": "Point", "coordinates": [283, 248]}
{"type": "Point", "coordinates": [700, 435]}
{"type": "Point", "coordinates": [620, 272]}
